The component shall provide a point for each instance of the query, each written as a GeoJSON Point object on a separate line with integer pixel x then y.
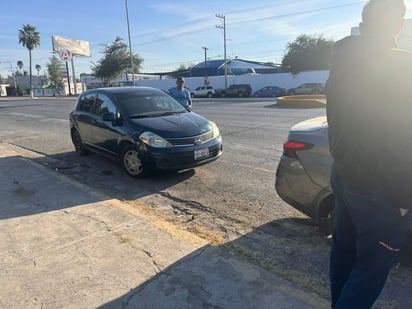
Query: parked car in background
{"type": "Point", "coordinates": [235, 90]}
{"type": "Point", "coordinates": [143, 127]}
{"type": "Point", "coordinates": [307, 88]}
{"type": "Point", "coordinates": [303, 172]}
{"type": "Point", "coordinates": [270, 91]}
{"type": "Point", "coordinates": [204, 91]}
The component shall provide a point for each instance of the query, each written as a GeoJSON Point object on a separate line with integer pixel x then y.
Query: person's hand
{"type": "Point", "coordinates": [403, 211]}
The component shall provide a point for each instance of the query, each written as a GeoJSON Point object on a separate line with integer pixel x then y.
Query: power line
{"type": "Point", "coordinates": [297, 13]}
{"type": "Point", "coordinates": [206, 28]}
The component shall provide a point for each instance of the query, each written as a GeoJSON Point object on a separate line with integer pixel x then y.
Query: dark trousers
{"type": "Point", "coordinates": [367, 238]}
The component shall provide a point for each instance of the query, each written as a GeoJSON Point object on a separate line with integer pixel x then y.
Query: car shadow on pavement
{"type": "Point", "coordinates": [36, 185]}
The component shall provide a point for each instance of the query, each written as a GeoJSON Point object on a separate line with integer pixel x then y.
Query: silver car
{"type": "Point", "coordinates": [302, 176]}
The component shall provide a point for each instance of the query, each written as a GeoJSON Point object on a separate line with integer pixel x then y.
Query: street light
{"type": "Point", "coordinates": [12, 73]}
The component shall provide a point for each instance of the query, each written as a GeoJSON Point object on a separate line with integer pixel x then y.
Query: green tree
{"type": "Point", "coordinates": [29, 37]}
{"type": "Point", "coordinates": [116, 60]}
{"type": "Point", "coordinates": [20, 65]}
{"type": "Point", "coordinates": [38, 68]}
{"type": "Point", "coordinates": [54, 70]}
{"type": "Point", "coordinates": [307, 53]}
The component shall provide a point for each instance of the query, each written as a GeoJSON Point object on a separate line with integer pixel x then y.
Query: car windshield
{"type": "Point", "coordinates": [148, 104]}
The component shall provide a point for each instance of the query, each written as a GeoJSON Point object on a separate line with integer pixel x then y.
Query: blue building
{"type": "Point", "coordinates": [234, 67]}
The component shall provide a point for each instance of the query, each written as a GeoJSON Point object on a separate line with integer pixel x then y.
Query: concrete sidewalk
{"type": "Point", "coordinates": [65, 246]}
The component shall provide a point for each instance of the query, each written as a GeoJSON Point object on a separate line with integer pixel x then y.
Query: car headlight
{"type": "Point", "coordinates": [154, 140]}
{"type": "Point", "coordinates": [215, 129]}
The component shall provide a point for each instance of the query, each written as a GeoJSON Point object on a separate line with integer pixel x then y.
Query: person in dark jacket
{"type": "Point", "coordinates": [369, 111]}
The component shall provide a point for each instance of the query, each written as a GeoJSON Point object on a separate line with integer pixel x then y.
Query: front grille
{"type": "Point", "coordinates": [194, 140]}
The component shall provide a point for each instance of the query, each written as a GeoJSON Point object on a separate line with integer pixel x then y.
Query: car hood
{"type": "Point", "coordinates": [178, 125]}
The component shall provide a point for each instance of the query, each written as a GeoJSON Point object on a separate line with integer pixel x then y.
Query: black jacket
{"type": "Point", "coordinates": [369, 110]}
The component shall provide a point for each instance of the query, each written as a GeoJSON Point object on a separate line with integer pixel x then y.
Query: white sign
{"type": "Point", "coordinates": [65, 55]}
{"type": "Point", "coordinates": [76, 47]}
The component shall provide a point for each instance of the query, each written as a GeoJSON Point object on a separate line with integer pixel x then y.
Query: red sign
{"type": "Point", "coordinates": [65, 55]}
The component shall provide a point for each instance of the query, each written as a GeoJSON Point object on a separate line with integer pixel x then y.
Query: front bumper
{"type": "Point", "coordinates": [179, 158]}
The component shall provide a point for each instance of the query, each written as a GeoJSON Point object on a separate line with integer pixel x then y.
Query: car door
{"type": "Point", "coordinates": [107, 132]}
{"type": "Point", "coordinates": [85, 117]}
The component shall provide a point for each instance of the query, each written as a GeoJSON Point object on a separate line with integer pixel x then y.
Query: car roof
{"type": "Point", "coordinates": [127, 89]}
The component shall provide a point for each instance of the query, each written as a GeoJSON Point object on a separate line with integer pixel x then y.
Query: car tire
{"type": "Point", "coordinates": [240, 94]}
{"type": "Point", "coordinates": [78, 143]}
{"type": "Point", "coordinates": [209, 95]}
{"type": "Point", "coordinates": [131, 162]}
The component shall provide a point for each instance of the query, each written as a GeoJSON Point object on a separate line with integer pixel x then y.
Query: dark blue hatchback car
{"type": "Point", "coordinates": [144, 128]}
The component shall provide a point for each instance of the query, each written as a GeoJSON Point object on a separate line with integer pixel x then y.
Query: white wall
{"type": "Point", "coordinates": [284, 80]}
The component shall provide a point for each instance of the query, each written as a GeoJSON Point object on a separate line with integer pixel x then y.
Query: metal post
{"type": "Point", "coordinates": [130, 41]}
{"type": "Point", "coordinates": [224, 42]}
{"type": "Point", "coordinates": [74, 78]}
{"type": "Point", "coordinates": [68, 78]}
{"type": "Point", "coordinates": [206, 81]}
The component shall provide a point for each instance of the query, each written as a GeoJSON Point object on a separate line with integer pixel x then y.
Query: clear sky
{"type": "Point", "coordinates": [167, 33]}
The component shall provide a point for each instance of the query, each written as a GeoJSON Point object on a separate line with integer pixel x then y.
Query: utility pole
{"type": "Point", "coordinates": [206, 82]}
{"type": "Point", "coordinates": [224, 41]}
{"type": "Point", "coordinates": [130, 42]}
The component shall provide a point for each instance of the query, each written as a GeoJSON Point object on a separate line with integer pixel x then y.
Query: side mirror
{"type": "Point", "coordinates": [116, 121]}
{"type": "Point", "coordinates": [108, 117]}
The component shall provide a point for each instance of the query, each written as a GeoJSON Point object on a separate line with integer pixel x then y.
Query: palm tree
{"type": "Point", "coordinates": [29, 37]}
{"type": "Point", "coordinates": [38, 68]}
{"type": "Point", "coordinates": [20, 65]}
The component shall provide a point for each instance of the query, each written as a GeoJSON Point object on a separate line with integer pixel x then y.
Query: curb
{"type": "Point", "coordinates": [302, 101]}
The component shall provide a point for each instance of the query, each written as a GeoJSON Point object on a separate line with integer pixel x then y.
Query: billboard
{"type": "Point", "coordinates": [76, 47]}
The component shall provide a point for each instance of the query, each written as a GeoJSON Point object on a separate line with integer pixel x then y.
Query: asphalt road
{"type": "Point", "coordinates": [231, 198]}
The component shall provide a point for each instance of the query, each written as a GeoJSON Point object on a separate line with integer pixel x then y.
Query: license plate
{"type": "Point", "coordinates": [201, 153]}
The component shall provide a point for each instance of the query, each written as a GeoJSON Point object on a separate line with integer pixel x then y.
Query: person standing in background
{"type": "Point", "coordinates": [180, 93]}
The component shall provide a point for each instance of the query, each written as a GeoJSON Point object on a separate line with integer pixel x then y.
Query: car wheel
{"type": "Point", "coordinates": [78, 143]}
{"type": "Point", "coordinates": [131, 161]}
{"type": "Point", "coordinates": [240, 94]}
{"type": "Point", "coordinates": [209, 95]}
{"type": "Point", "coordinates": [223, 94]}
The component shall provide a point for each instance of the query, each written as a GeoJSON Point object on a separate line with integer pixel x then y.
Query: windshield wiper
{"type": "Point", "coordinates": [140, 116]}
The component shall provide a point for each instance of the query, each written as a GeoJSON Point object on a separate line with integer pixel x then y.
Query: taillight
{"type": "Point", "coordinates": [290, 148]}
